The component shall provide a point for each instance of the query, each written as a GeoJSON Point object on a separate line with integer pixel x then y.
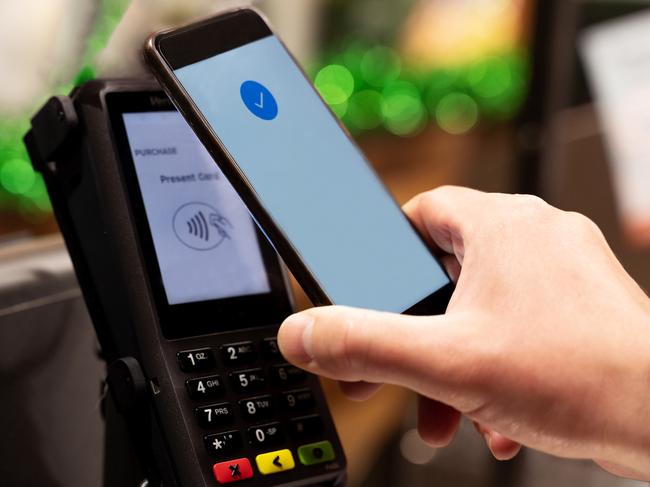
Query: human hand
{"type": "Point", "coordinates": [545, 343]}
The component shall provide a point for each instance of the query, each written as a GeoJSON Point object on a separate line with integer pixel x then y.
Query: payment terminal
{"type": "Point", "coordinates": [185, 293]}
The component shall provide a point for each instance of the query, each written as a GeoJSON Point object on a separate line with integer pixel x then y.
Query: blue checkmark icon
{"type": "Point", "coordinates": [259, 100]}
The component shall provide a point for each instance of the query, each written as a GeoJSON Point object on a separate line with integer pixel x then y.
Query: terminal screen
{"type": "Point", "coordinates": [205, 241]}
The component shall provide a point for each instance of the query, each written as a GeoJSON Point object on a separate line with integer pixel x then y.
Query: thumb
{"type": "Point", "coordinates": [426, 354]}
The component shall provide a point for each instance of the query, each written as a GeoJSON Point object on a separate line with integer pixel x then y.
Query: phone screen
{"type": "Point", "coordinates": [314, 183]}
{"type": "Point", "coordinates": [205, 240]}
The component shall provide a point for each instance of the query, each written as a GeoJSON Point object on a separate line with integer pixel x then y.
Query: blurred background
{"type": "Point", "coordinates": [547, 97]}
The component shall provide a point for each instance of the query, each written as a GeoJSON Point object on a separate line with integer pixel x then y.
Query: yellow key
{"type": "Point", "coordinates": [274, 462]}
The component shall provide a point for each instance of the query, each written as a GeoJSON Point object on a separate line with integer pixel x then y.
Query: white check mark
{"type": "Point", "coordinates": [261, 102]}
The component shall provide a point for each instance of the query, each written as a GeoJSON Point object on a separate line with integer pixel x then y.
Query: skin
{"type": "Point", "coordinates": [545, 343]}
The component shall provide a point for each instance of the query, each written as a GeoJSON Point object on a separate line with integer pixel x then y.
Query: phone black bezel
{"type": "Point", "coordinates": [176, 48]}
{"type": "Point", "coordinates": [196, 318]}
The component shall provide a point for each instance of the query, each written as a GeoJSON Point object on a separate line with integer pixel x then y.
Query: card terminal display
{"type": "Point", "coordinates": [203, 236]}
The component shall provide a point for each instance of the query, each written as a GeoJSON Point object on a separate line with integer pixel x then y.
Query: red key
{"type": "Point", "coordinates": [232, 471]}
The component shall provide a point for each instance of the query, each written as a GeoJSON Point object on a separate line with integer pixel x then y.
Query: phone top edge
{"type": "Point", "coordinates": [208, 37]}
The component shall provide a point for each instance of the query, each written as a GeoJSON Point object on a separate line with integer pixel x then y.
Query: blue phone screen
{"type": "Point", "coordinates": [312, 180]}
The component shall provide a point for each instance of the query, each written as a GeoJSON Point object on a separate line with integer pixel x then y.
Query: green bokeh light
{"type": "Point", "coordinates": [457, 113]}
{"type": "Point", "coordinates": [86, 73]}
{"type": "Point", "coordinates": [365, 110]}
{"type": "Point", "coordinates": [386, 92]}
{"type": "Point", "coordinates": [17, 176]}
{"type": "Point", "coordinates": [38, 194]}
{"type": "Point", "coordinates": [340, 109]}
{"type": "Point", "coordinates": [335, 84]}
{"type": "Point", "coordinates": [490, 77]}
{"type": "Point", "coordinates": [402, 108]}
{"type": "Point", "coordinates": [502, 104]}
{"type": "Point", "coordinates": [21, 189]}
{"type": "Point", "coordinates": [437, 85]}
{"type": "Point", "coordinates": [351, 56]}
{"type": "Point", "coordinates": [379, 66]}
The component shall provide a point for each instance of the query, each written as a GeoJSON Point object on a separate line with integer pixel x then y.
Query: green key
{"type": "Point", "coordinates": [316, 453]}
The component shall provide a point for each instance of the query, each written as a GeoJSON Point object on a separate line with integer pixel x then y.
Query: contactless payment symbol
{"type": "Point", "coordinates": [199, 226]}
{"type": "Point", "coordinates": [259, 100]}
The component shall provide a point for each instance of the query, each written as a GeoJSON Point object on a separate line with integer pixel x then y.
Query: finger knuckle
{"type": "Point", "coordinates": [437, 195]}
{"type": "Point", "coordinates": [529, 204]}
{"type": "Point", "coordinates": [580, 221]}
{"type": "Point", "coordinates": [522, 211]}
{"type": "Point", "coordinates": [429, 199]}
{"type": "Point", "coordinates": [436, 200]}
{"type": "Point", "coordinates": [582, 226]}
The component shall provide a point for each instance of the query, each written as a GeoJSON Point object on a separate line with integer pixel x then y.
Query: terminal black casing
{"type": "Point", "coordinates": [73, 145]}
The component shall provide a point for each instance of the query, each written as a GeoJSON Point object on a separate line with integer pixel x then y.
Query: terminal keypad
{"type": "Point", "coordinates": [274, 411]}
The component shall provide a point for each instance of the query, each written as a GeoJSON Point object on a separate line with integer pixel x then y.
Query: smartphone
{"type": "Point", "coordinates": [303, 179]}
{"type": "Point", "coordinates": [185, 293]}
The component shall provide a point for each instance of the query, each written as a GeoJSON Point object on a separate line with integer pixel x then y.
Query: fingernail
{"type": "Point", "coordinates": [295, 339]}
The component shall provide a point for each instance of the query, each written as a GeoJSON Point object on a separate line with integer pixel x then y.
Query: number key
{"type": "Point", "coordinates": [256, 407]}
{"type": "Point", "coordinates": [306, 427]}
{"type": "Point", "coordinates": [239, 353]}
{"type": "Point", "coordinates": [223, 444]}
{"type": "Point", "coordinates": [204, 387]}
{"type": "Point", "coordinates": [270, 348]}
{"type": "Point", "coordinates": [214, 415]}
{"type": "Point", "coordinates": [299, 400]}
{"type": "Point", "coordinates": [196, 360]}
{"type": "Point", "coordinates": [287, 374]}
{"type": "Point", "coordinates": [248, 380]}
{"type": "Point", "coordinates": [266, 435]}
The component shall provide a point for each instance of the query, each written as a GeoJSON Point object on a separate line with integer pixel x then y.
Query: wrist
{"type": "Point", "coordinates": [629, 411]}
